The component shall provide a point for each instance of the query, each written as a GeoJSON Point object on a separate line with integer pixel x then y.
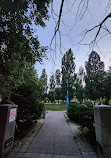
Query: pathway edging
{"type": "Point", "coordinates": [84, 146]}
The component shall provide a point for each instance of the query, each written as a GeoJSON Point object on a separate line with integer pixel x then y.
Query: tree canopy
{"type": "Point", "coordinates": [19, 47]}
{"type": "Point", "coordinates": [19, 51]}
{"type": "Point", "coordinates": [94, 76]}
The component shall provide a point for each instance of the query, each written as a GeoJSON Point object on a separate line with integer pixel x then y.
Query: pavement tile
{"type": "Point", "coordinates": [23, 149]}
{"type": "Point", "coordinates": [83, 149]}
{"type": "Point", "coordinates": [85, 154]}
{"type": "Point", "coordinates": [12, 155]}
{"type": "Point", "coordinates": [20, 155]}
{"type": "Point", "coordinates": [64, 156]}
{"type": "Point", "coordinates": [27, 155]}
{"type": "Point", "coordinates": [45, 156]}
{"type": "Point", "coordinates": [92, 153]}
{"type": "Point", "coordinates": [89, 154]}
{"type": "Point", "coordinates": [56, 156]}
{"type": "Point", "coordinates": [31, 155]}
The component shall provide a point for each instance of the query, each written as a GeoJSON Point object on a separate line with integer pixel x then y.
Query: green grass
{"type": "Point", "coordinates": [55, 107]}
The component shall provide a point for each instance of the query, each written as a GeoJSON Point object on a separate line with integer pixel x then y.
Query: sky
{"type": "Point", "coordinates": [72, 29]}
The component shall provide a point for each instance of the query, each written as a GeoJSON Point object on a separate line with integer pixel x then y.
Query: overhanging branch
{"type": "Point", "coordinates": [58, 22]}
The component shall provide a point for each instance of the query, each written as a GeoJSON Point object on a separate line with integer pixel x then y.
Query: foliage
{"type": "Point", "coordinates": [19, 51]}
{"type": "Point", "coordinates": [51, 94]}
{"type": "Point", "coordinates": [19, 47]}
{"type": "Point", "coordinates": [68, 74]}
{"type": "Point", "coordinates": [81, 114]}
{"type": "Point", "coordinates": [52, 83]}
{"type": "Point", "coordinates": [27, 97]}
{"type": "Point", "coordinates": [58, 77]}
{"type": "Point", "coordinates": [107, 87]}
{"type": "Point", "coordinates": [79, 92]}
{"type": "Point", "coordinates": [44, 81]}
{"type": "Point", "coordinates": [58, 93]}
{"type": "Point", "coordinates": [94, 77]}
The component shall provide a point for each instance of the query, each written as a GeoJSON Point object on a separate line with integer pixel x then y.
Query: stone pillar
{"type": "Point", "coordinates": [8, 115]}
{"type": "Point", "coordinates": [102, 117]}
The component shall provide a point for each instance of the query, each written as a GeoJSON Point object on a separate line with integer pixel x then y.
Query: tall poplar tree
{"type": "Point", "coordinates": [44, 80]}
{"type": "Point", "coordinates": [79, 90]}
{"type": "Point", "coordinates": [58, 78]}
{"type": "Point", "coordinates": [68, 74]}
{"type": "Point", "coordinates": [58, 85]}
{"type": "Point", "coordinates": [51, 94]}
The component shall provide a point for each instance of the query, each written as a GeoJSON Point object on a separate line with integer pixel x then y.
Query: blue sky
{"type": "Point", "coordinates": [72, 33]}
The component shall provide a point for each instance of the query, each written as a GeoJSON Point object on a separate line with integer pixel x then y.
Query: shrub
{"type": "Point", "coordinates": [29, 107]}
{"type": "Point", "coordinates": [82, 114]}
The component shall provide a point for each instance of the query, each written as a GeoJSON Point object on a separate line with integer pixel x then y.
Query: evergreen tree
{"type": "Point", "coordinates": [68, 74]}
{"type": "Point", "coordinates": [58, 77]}
{"type": "Point", "coordinates": [44, 80]}
{"type": "Point", "coordinates": [51, 94]}
{"type": "Point", "coordinates": [58, 93]}
{"type": "Point", "coordinates": [94, 76]}
{"type": "Point", "coordinates": [52, 83]}
{"type": "Point", "coordinates": [107, 86]}
{"type": "Point", "coordinates": [79, 90]}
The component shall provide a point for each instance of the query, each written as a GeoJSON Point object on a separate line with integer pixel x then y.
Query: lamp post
{"type": "Point", "coordinates": [67, 100]}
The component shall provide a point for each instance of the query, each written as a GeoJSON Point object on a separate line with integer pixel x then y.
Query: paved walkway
{"type": "Point", "coordinates": [54, 140]}
{"type": "Point", "coordinates": [84, 146]}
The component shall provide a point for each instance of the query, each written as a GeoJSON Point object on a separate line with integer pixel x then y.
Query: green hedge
{"type": "Point", "coordinates": [81, 114]}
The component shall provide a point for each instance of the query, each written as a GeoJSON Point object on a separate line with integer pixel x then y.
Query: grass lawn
{"type": "Point", "coordinates": [55, 107]}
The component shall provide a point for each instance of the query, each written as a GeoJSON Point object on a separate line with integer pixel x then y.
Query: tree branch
{"type": "Point", "coordinates": [58, 22]}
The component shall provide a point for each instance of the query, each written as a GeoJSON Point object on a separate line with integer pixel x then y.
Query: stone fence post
{"type": "Point", "coordinates": [8, 114]}
{"type": "Point", "coordinates": [102, 117]}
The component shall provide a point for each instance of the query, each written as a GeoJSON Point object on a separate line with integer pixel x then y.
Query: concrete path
{"type": "Point", "coordinates": [54, 140]}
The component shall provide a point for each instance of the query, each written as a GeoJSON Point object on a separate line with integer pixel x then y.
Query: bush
{"type": "Point", "coordinates": [81, 114]}
{"type": "Point", "coordinates": [29, 107]}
